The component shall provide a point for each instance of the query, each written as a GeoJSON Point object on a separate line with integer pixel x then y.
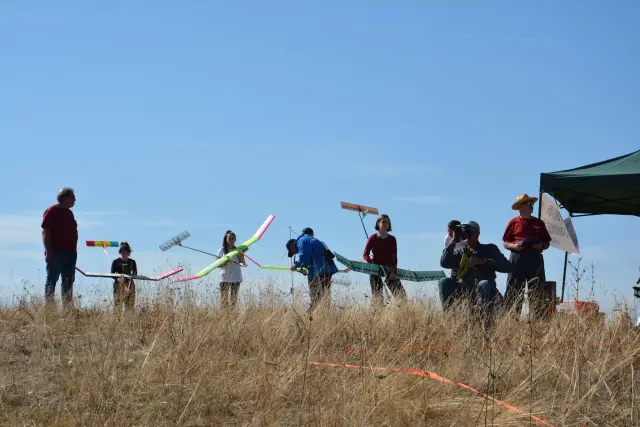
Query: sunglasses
{"type": "Point", "coordinates": [527, 204]}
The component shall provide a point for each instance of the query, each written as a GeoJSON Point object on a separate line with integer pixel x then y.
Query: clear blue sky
{"type": "Point", "coordinates": [171, 116]}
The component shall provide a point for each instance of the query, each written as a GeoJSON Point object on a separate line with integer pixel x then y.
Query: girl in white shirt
{"type": "Point", "coordinates": [230, 273]}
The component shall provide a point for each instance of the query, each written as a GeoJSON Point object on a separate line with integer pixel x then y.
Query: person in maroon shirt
{"type": "Point", "coordinates": [526, 237]}
{"type": "Point", "coordinates": [60, 239]}
{"type": "Point", "coordinates": [385, 253]}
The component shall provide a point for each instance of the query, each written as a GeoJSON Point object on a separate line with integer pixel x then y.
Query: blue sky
{"type": "Point", "coordinates": [197, 116]}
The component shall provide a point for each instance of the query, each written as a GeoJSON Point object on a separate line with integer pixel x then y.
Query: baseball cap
{"type": "Point", "coordinates": [289, 242]}
{"type": "Point", "coordinates": [307, 230]}
{"type": "Point", "coordinates": [471, 224]}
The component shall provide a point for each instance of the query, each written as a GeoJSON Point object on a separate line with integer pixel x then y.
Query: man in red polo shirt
{"type": "Point", "coordinates": [526, 237]}
{"type": "Point", "coordinates": [60, 239]}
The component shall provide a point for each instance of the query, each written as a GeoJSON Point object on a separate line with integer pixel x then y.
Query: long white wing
{"type": "Point", "coordinates": [134, 277]}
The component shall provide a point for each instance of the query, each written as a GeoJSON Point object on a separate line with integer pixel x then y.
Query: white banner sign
{"type": "Point", "coordinates": [561, 237]}
{"type": "Point", "coordinates": [572, 232]}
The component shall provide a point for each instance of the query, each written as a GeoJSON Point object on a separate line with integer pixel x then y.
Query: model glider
{"type": "Point", "coordinates": [362, 212]}
{"type": "Point", "coordinates": [102, 244]}
{"type": "Point", "coordinates": [464, 266]}
{"type": "Point", "coordinates": [177, 241]}
{"type": "Point", "coordinates": [227, 257]}
{"type": "Point", "coordinates": [129, 276]}
{"type": "Point", "coordinates": [379, 270]}
{"type": "Point", "coordinates": [303, 270]}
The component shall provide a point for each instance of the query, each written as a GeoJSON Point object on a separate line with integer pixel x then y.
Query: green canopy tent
{"type": "Point", "coordinates": [610, 187]}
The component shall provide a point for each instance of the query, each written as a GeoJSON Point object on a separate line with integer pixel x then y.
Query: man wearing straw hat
{"type": "Point", "coordinates": [526, 237]}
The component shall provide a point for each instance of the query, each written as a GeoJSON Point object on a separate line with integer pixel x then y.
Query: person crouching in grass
{"type": "Point", "coordinates": [478, 283]}
{"type": "Point", "coordinates": [385, 253]}
{"type": "Point", "coordinates": [124, 289]}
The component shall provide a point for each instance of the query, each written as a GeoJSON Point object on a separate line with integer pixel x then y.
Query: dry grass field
{"type": "Point", "coordinates": [182, 364]}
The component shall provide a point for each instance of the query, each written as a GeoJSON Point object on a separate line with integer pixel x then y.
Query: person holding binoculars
{"type": "Point", "coordinates": [475, 265]}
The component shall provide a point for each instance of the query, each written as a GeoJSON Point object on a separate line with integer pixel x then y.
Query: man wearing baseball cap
{"type": "Point", "coordinates": [526, 237]}
{"type": "Point", "coordinates": [475, 266]}
{"type": "Point", "coordinates": [316, 258]}
{"type": "Point", "coordinates": [328, 254]}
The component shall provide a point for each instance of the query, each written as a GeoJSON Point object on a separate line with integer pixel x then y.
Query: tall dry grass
{"type": "Point", "coordinates": [189, 365]}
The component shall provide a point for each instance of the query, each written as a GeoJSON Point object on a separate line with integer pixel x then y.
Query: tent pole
{"type": "Point", "coordinates": [564, 275]}
{"type": "Point", "coordinates": [540, 203]}
{"type": "Point", "coordinates": [544, 275]}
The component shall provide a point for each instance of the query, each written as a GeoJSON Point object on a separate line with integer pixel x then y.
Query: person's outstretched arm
{"type": "Point", "coordinates": [497, 261]}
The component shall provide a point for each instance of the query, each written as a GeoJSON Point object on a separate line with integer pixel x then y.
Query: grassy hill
{"type": "Point", "coordinates": [169, 364]}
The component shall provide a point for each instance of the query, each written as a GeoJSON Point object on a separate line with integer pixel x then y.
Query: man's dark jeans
{"type": "Point", "coordinates": [452, 290]}
{"type": "Point", "coordinates": [320, 290]}
{"type": "Point", "coordinates": [63, 264]}
{"type": "Point", "coordinates": [527, 267]}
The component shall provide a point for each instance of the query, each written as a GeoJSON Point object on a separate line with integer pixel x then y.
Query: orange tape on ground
{"type": "Point", "coordinates": [434, 376]}
{"type": "Point", "coordinates": [537, 347]}
{"type": "Point", "coordinates": [524, 347]}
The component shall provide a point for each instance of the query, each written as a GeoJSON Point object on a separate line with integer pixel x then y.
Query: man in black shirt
{"type": "Point", "coordinates": [124, 289]}
{"type": "Point", "coordinates": [475, 278]}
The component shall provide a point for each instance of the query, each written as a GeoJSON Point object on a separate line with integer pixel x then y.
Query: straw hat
{"type": "Point", "coordinates": [521, 199]}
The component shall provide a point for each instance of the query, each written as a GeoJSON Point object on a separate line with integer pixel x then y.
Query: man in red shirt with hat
{"type": "Point", "coordinates": [526, 237]}
{"type": "Point", "coordinates": [60, 239]}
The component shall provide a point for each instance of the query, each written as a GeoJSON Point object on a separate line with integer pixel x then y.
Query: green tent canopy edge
{"type": "Point", "coordinates": [609, 187]}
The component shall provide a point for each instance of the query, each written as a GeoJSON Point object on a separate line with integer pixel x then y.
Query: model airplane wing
{"type": "Point", "coordinates": [378, 270]}
{"type": "Point", "coordinates": [240, 249]}
{"type": "Point", "coordinates": [130, 276]}
{"type": "Point", "coordinates": [103, 243]}
{"type": "Point", "coordinates": [360, 267]}
{"type": "Point", "coordinates": [304, 271]}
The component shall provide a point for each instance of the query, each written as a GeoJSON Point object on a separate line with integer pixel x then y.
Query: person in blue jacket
{"type": "Point", "coordinates": [318, 260]}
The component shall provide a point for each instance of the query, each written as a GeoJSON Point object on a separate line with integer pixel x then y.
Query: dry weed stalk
{"type": "Point", "coordinates": [183, 364]}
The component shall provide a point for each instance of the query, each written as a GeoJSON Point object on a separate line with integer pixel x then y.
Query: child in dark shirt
{"type": "Point", "coordinates": [124, 289]}
{"type": "Point", "coordinates": [385, 253]}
